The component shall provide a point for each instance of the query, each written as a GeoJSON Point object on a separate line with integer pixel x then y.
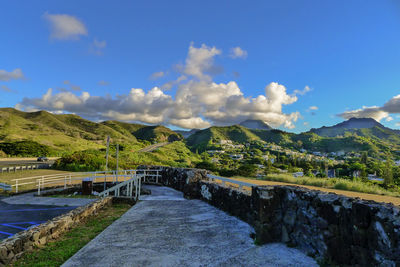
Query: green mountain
{"type": "Point", "coordinates": [142, 132]}
{"type": "Point", "coordinates": [206, 138]}
{"type": "Point", "coordinates": [44, 131]}
{"type": "Point", "coordinates": [375, 139]}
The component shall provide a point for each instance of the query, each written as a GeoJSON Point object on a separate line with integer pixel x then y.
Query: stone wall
{"type": "Point", "coordinates": [330, 227]}
{"type": "Point", "coordinates": [182, 179]}
{"type": "Point", "coordinates": [14, 247]}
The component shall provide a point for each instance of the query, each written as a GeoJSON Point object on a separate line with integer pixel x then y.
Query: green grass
{"type": "Point", "coordinates": [57, 252]}
{"type": "Point", "coordinates": [333, 183]}
{"type": "Point", "coordinates": [7, 177]}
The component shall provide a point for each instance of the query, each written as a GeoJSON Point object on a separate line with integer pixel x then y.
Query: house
{"type": "Point", "coordinates": [373, 177]}
{"type": "Point", "coordinates": [298, 174]}
{"type": "Point", "coordinates": [236, 156]}
{"type": "Point", "coordinates": [331, 173]}
{"type": "Point", "coordinates": [225, 142]}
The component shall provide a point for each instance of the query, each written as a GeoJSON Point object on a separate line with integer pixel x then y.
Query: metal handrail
{"type": "Point", "coordinates": [224, 180]}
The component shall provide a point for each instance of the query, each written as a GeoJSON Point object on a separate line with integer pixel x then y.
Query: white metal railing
{"type": "Point", "coordinates": [5, 187]}
{"type": "Point", "coordinates": [16, 168]}
{"type": "Point", "coordinates": [66, 179]}
{"type": "Point", "coordinates": [225, 180]}
{"type": "Point", "coordinates": [134, 182]}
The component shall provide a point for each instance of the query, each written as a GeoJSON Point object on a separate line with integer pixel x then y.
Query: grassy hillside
{"type": "Point", "coordinates": [59, 133]}
{"type": "Point", "coordinates": [142, 132]}
{"type": "Point", "coordinates": [204, 139]}
{"type": "Point", "coordinates": [175, 154]}
{"type": "Point", "coordinates": [374, 139]}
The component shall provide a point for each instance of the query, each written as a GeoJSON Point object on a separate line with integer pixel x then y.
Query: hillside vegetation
{"type": "Point", "coordinates": [376, 139]}
{"type": "Point", "coordinates": [44, 133]}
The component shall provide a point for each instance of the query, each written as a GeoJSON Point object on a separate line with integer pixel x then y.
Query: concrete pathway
{"type": "Point", "coordinates": [30, 199]}
{"type": "Point", "coordinates": [167, 230]}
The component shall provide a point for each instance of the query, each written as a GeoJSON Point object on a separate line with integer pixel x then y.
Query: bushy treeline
{"type": "Point", "coordinates": [88, 160]}
{"type": "Point", "coordinates": [25, 149]}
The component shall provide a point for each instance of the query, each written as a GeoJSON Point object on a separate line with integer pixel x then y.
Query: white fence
{"type": "Point", "coordinates": [67, 179]}
{"type": "Point", "coordinates": [135, 182]}
{"type": "Point", "coordinates": [5, 187]}
{"type": "Point", "coordinates": [24, 167]}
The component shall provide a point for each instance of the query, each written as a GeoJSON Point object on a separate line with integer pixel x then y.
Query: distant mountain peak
{"type": "Point", "coordinates": [353, 125]}
{"type": "Point", "coordinates": [255, 124]}
{"type": "Point", "coordinates": [358, 123]}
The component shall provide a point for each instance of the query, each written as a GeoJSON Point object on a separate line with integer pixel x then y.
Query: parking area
{"type": "Point", "coordinates": [18, 217]}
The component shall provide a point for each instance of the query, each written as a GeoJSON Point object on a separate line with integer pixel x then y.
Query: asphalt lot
{"type": "Point", "coordinates": [16, 218]}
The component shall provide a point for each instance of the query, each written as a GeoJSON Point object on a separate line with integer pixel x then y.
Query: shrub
{"type": "Point", "coordinates": [88, 160]}
{"type": "Point", "coordinates": [25, 149]}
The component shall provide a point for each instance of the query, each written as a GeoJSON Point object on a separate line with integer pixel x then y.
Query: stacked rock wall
{"type": "Point", "coordinates": [334, 228]}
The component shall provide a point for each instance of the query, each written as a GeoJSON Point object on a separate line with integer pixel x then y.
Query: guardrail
{"type": "Point", "coordinates": [5, 187]}
{"type": "Point", "coordinates": [225, 180]}
{"type": "Point", "coordinates": [134, 182]}
{"type": "Point", "coordinates": [66, 179]}
{"type": "Point", "coordinates": [16, 168]}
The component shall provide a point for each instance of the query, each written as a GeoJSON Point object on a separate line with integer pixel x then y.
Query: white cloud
{"type": "Point", "coordinates": [16, 74]}
{"type": "Point", "coordinates": [237, 52]}
{"type": "Point", "coordinates": [378, 113]}
{"type": "Point", "coordinates": [302, 92]}
{"type": "Point", "coordinates": [103, 83]}
{"type": "Point", "coordinates": [72, 87]}
{"type": "Point", "coordinates": [6, 89]}
{"type": "Point", "coordinates": [157, 75]}
{"type": "Point", "coordinates": [198, 102]}
{"type": "Point", "coordinates": [65, 27]}
{"type": "Point", "coordinates": [200, 62]}
{"type": "Point", "coordinates": [97, 47]}
{"type": "Point", "coordinates": [365, 112]}
{"type": "Point", "coordinates": [397, 124]}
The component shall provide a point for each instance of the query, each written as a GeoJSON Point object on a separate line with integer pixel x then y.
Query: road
{"type": "Point", "coordinates": [5, 162]}
{"type": "Point", "coordinates": [16, 218]}
{"type": "Point", "coordinates": [153, 147]}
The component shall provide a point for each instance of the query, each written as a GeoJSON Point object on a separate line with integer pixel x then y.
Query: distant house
{"type": "Point", "coordinates": [373, 177]}
{"type": "Point", "coordinates": [225, 142]}
{"type": "Point", "coordinates": [298, 174]}
{"type": "Point", "coordinates": [236, 156]}
{"type": "Point", "coordinates": [356, 173]}
{"type": "Point", "coordinates": [214, 160]}
{"type": "Point", "coordinates": [331, 173]}
{"type": "Point", "coordinates": [260, 166]}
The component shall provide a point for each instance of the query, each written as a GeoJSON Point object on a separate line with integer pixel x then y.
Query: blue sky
{"type": "Point", "coordinates": [212, 62]}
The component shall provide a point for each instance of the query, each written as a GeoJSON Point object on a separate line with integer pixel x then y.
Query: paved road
{"type": "Point", "coordinates": [153, 147]}
{"type": "Point", "coordinates": [29, 198]}
{"type": "Point", "coordinates": [167, 230]}
{"type": "Point", "coordinates": [17, 213]}
{"type": "Point", "coordinates": [16, 218]}
{"type": "Point", "coordinates": [22, 162]}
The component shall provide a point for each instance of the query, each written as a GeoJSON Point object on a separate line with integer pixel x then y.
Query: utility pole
{"type": "Point", "coordinates": [107, 150]}
{"type": "Point", "coordinates": [117, 160]}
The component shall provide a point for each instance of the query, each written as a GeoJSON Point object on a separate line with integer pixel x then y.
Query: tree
{"type": "Point", "coordinates": [388, 173]}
